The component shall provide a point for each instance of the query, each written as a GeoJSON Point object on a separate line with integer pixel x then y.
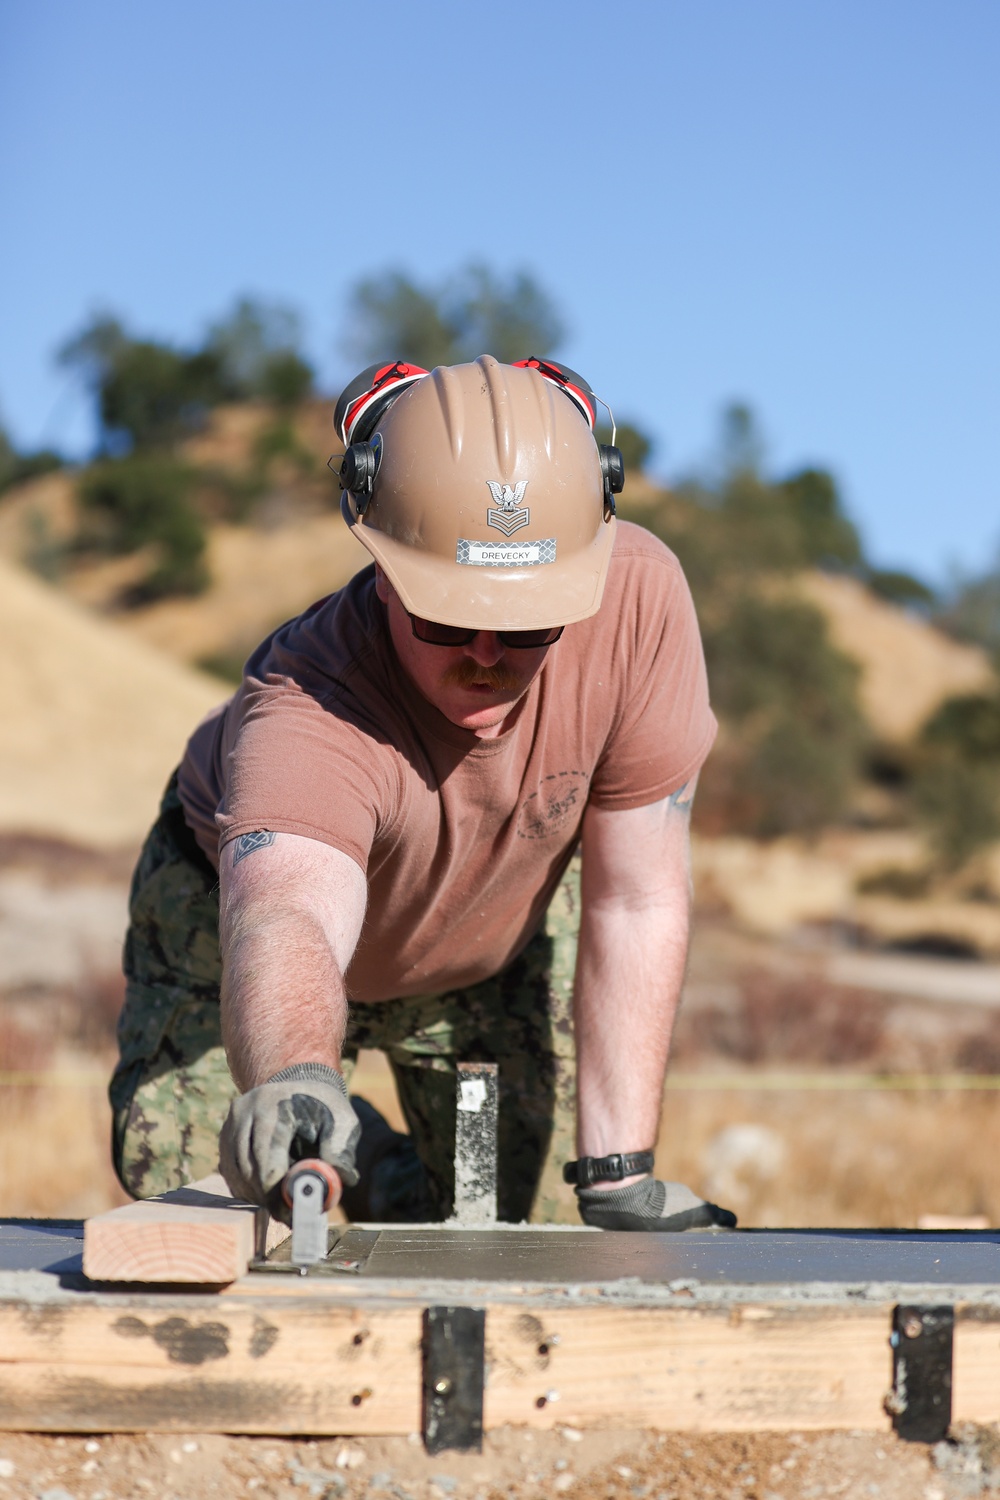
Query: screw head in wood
{"type": "Point", "coordinates": [442, 1387]}
{"type": "Point", "coordinates": [913, 1328]}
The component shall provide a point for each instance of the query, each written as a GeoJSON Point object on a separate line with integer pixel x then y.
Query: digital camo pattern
{"type": "Point", "coordinates": [171, 1088]}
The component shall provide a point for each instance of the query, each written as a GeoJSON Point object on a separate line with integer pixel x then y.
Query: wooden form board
{"type": "Point", "coordinates": [198, 1234]}
{"type": "Point", "coordinates": [310, 1365]}
{"type": "Point", "coordinates": [283, 1354]}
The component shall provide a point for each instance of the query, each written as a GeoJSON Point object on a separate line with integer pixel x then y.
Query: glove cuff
{"type": "Point", "coordinates": [646, 1198]}
{"type": "Point", "coordinates": [310, 1072]}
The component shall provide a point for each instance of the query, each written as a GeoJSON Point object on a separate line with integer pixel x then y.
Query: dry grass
{"type": "Point", "coordinates": [841, 1159]}
{"type": "Point", "coordinates": [837, 1159]}
{"type": "Point", "coordinates": [55, 1160]}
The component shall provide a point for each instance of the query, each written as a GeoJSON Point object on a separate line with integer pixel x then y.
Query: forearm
{"type": "Point", "coordinates": [630, 970]}
{"type": "Point", "coordinates": [290, 913]}
{"type": "Point", "coordinates": [283, 997]}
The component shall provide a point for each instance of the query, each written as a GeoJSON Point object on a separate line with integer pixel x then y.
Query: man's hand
{"type": "Point", "coordinates": [301, 1111]}
{"type": "Point", "coordinates": [650, 1205]}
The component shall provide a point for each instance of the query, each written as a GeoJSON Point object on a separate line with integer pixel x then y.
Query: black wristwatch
{"type": "Point", "coordinates": [591, 1169]}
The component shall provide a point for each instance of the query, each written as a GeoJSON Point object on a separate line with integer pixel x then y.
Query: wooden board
{"type": "Point", "coordinates": [197, 1234]}
{"type": "Point", "coordinates": [208, 1365]}
{"type": "Point", "coordinates": [691, 1370]}
{"type": "Point", "coordinates": [310, 1365]}
{"type": "Point", "coordinates": [976, 1378]}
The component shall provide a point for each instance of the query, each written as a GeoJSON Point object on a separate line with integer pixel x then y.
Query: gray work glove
{"type": "Point", "coordinates": [302, 1111]}
{"type": "Point", "coordinates": [651, 1204]}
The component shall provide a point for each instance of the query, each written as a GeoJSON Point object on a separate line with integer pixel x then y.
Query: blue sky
{"type": "Point", "coordinates": [792, 204]}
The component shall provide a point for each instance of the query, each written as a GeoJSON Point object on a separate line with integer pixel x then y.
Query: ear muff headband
{"type": "Point", "coordinates": [567, 380]}
{"type": "Point", "coordinates": [366, 400]}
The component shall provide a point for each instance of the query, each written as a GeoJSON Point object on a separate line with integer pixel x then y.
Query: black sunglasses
{"type": "Point", "coordinates": [456, 635]}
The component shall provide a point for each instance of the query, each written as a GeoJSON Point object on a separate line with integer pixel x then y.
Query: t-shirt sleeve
{"type": "Point", "coordinates": [664, 727]}
{"type": "Point", "coordinates": [297, 766]}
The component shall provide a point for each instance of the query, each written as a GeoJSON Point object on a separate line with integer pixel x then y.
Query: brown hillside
{"type": "Point", "coordinates": [907, 667]}
{"type": "Point", "coordinates": [259, 578]}
{"type": "Point", "coordinates": [296, 548]}
{"type": "Point", "coordinates": [93, 721]}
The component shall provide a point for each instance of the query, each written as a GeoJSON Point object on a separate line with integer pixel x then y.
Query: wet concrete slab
{"type": "Point", "coordinates": [740, 1257]}
{"type": "Point", "coordinates": [566, 1258]}
{"type": "Point", "coordinates": [52, 1245]}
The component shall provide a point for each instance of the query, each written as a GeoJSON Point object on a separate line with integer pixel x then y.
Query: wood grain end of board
{"type": "Point", "coordinates": [197, 1234]}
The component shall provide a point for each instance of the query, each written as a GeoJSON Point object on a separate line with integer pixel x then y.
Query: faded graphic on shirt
{"type": "Point", "coordinates": [559, 801]}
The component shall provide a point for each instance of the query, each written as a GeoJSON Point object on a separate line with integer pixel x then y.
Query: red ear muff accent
{"type": "Point", "coordinates": [567, 380]}
{"type": "Point", "coordinates": [366, 400]}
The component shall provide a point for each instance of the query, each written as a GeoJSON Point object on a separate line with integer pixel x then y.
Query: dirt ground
{"type": "Point", "coordinates": [514, 1464]}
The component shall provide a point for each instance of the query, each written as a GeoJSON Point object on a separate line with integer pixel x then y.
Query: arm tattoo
{"type": "Point", "coordinates": [682, 799]}
{"type": "Point", "coordinates": [249, 843]}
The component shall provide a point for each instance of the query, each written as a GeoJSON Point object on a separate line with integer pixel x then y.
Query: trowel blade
{"type": "Point", "coordinates": [309, 1220]}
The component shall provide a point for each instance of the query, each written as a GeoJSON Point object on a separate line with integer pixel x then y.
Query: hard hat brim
{"type": "Point", "coordinates": [535, 597]}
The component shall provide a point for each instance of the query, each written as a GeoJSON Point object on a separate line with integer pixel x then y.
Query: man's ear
{"type": "Point", "coordinates": [382, 585]}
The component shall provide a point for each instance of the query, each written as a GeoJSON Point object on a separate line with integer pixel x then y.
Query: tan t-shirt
{"type": "Point", "coordinates": [463, 840]}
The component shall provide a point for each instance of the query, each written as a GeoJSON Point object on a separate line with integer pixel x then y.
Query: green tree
{"type": "Point", "coordinates": [958, 802]}
{"type": "Point", "coordinates": [793, 738]}
{"type": "Point", "coordinates": [814, 507]}
{"type": "Point", "coordinates": [897, 587]}
{"type": "Point", "coordinates": [472, 312]}
{"type": "Point", "coordinates": [956, 788]}
{"type": "Point", "coordinates": [510, 319]}
{"type": "Point", "coordinates": [150, 394]}
{"type": "Point", "coordinates": [972, 612]}
{"type": "Point", "coordinates": [789, 700]}
{"type": "Point", "coordinates": [147, 394]}
{"type": "Point", "coordinates": [257, 347]}
{"type": "Point", "coordinates": [146, 499]}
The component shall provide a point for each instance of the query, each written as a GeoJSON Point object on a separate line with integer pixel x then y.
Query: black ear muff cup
{"type": "Point", "coordinates": [613, 470]}
{"type": "Point", "coordinates": [358, 469]}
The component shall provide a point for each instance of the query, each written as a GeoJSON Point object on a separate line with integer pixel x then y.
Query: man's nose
{"type": "Point", "coordinates": [486, 648]}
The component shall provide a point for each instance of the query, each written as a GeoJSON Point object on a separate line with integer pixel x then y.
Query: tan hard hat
{"type": "Point", "coordinates": [487, 507]}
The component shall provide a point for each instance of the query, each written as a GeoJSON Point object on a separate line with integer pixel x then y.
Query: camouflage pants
{"type": "Point", "coordinates": [171, 1088]}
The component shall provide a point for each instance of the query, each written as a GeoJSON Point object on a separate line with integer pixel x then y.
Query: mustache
{"type": "Point", "coordinates": [468, 673]}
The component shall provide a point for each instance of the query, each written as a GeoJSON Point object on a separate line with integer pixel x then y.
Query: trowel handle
{"type": "Point", "coordinates": [321, 1169]}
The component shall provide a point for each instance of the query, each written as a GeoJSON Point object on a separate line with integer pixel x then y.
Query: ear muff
{"type": "Point", "coordinates": [613, 470]}
{"type": "Point", "coordinates": [357, 471]}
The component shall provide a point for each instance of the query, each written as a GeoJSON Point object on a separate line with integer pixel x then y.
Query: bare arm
{"type": "Point", "coordinates": [291, 913]}
{"type": "Point", "coordinates": [630, 968]}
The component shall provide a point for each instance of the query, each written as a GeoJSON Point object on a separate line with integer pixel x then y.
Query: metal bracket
{"type": "Point", "coordinates": [348, 1249]}
{"type": "Point", "coordinates": [454, 1350]}
{"type": "Point", "coordinates": [922, 1343]}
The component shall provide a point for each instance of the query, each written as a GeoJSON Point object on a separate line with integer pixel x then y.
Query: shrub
{"type": "Point", "coordinates": [143, 500]}
{"type": "Point", "coordinates": [956, 788]}
{"type": "Point", "coordinates": [795, 734]}
{"type": "Point", "coordinates": [959, 803]}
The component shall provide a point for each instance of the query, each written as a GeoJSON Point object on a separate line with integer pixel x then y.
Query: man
{"type": "Point", "coordinates": [392, 802]}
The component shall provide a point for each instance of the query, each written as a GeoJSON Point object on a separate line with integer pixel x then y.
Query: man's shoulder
{"type": "Point", "coordinates": [635, 546]}
{"type": "Point", "coordinates": [640, 561]}
{"type": "Point", "coordinates": [325, 644]}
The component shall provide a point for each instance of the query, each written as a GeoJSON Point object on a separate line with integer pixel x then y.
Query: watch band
{"type": "Point", "coordinates": [607, 1168]}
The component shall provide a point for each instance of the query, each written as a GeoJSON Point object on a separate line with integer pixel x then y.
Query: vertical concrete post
{"type": "Point", "coordinates": [476, 1145]}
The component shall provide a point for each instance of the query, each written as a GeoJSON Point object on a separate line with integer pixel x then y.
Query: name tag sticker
{"type": "Point", "coordinates": [506, 554]}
